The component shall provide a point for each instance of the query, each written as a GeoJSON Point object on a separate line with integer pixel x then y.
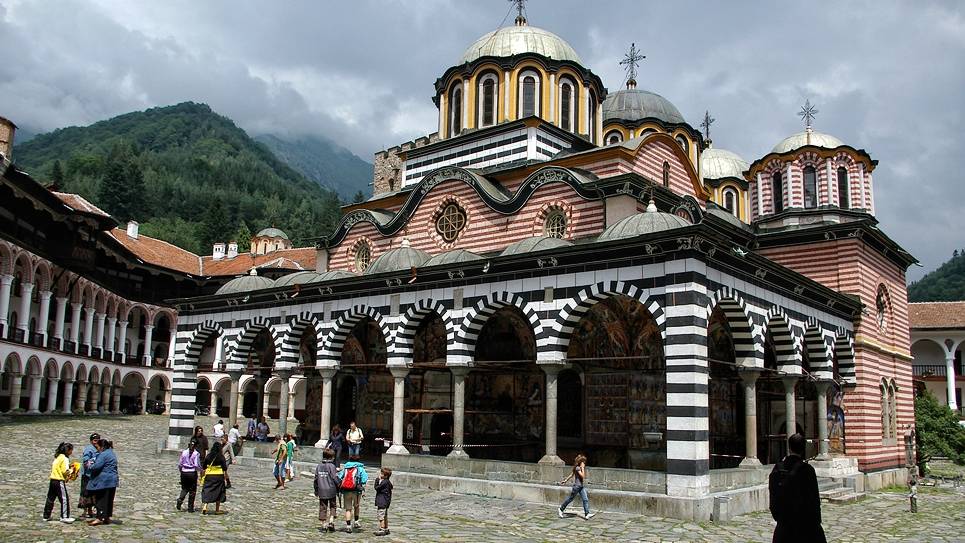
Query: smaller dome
{"type": "Point", "coordinates": [801, 139]}
{"type": "Point", "coordinates": [649, 222]}
{"type": "Point", "coordinates": [720, 163]}
{"type": "Point", "coordinates": [245, 283]}
{"type": "Point", "coordinates": [401, 258]}
{"type": "Point", "coordinates": [452, 257]}
{"type": "Point", "coordinates": [534, 244]}
{"type": "Point", "coordinates": [638, 104]}
{"type": "Point", "coordinates": [297, 278]}
{"type": "Point", "coordinates": [271, 233]}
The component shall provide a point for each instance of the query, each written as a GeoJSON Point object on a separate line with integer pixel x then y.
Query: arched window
{"type": "Point", "coordinates": [592, 117]}
{"type": "Point", "coordinates": [567, 105]}
{"type": "Point", "coordinates": [682, 142]}
{"type": "Point", "coordinates": [555, 224]}
{"type": "Point", "coordinates": [730, 201]}
{"type": "Point", "coordinates": [363, 257]}
{"type": "Point", "coordinates": [777, 192]}
{"type": "Point", "coordinates": [613, 136]}
{"type": "Point", "coordinates": [810, 188]}
{"type": "Point", "coordinates": [666, 174]}
{"type": "Point", "coordinates": [844, 200]}
{"type": "Point", "coordinates": [528, 94]}
{"type": "Point", "coordinates": [488, 102]}
{"type": "Point", "coordinates": [646, 132]}
{"type": "Point", "coordinates": [455, 110]}
{"type": "Point", "coordinates": [885, 412]}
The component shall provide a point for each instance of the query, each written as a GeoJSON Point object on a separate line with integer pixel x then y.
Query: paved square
{"type": "Point", "coordinates": [149, 485]}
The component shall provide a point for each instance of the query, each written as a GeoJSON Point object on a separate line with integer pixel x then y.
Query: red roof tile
{"type": "Point", "coordinates": [290, 259]}
{"type": "Point", "coordinates": [78, 202]}
{"type": "Point", "coordinates": [936, 315]}
{"type": "Point", "coordinates": [159, 253]}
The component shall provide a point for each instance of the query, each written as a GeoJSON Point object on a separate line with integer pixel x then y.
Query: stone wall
{"type": "Point", "coordinates": [388, 164]}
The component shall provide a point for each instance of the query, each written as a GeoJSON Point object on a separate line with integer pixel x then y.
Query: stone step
{"type": "Point", "coordinates": [848, 497]}
{"type": "Point", "coordinates": [834, 493]}
{"type": "Point", "coordinates": [825, 483]}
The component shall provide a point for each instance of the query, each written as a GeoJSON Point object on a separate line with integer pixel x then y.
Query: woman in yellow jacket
{"type": "Point", "coordinates": [60, 473]}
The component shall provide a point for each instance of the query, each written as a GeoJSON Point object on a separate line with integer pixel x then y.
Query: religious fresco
{"type": "Point", "coordinates": [364, 359]}
{"type": "Point", "coordinates": [835, 419]}
{"type": "Point", "coordinates": [725, 396]}
{"type": "Point", "coordinates": [429, 344]}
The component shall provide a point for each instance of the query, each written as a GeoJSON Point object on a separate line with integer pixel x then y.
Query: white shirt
{"type": "Point", "coordinates": [218, 430]}
{"type": "Point", "coordinates": [233, 435]}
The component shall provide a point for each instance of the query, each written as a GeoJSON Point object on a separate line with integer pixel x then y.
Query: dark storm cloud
{"type": "Point", "coordinates": [887, 77]}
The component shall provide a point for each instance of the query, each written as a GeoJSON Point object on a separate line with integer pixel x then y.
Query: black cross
{"type": "Point", "coordinates": [520, 8]}
{"type": "Point", "coordinates": [708, 120]}
{"type": "Point", "coordinates": [630, 62]}
{"type": "Point", "coordinates": [808, 112]}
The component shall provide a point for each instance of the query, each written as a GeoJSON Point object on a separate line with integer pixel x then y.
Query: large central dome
{"type": "Point", "coordinates": [514, 40]}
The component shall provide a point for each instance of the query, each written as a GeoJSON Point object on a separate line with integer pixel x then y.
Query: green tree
{"type": "Point", "coordinates": [215, 226]}
{"type": "Point", "coordinates": [358, 198]}
{"type": "Point", "coordinates": [273, 210]}
{"type": "Point", "coordinates": [243, 237]}
{"type": "Point", "coordinates": [57, 173]}
{"type": "Point", "coordinates": [937, 431]}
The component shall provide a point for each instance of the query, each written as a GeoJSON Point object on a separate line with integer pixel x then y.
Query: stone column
{"type": "Point", "coordinates": [213, 403]}
{"type": "Point", "coordinates": [44, 314]}
{"type": "Point", "coordinates": [61, 316]}
{"type": "Point", "coordinates": [26, 291]}
{"type": "Point", "coordinates": [552, 394]}
{"type": "Point", "coordinates": [111, 345]}
{"type": "Point", "coordinates": [265, 398]}
{"type": "Point", "coordinates": [291, 405]}
{"type": "Point", "coordinates": [749, 376]}
{"type": "Point", "coordinates": [172, 345]}
{"type": "Point", "coordinates": [16, 386]}
{"type": "Point", "coordinates": [75, 309]}
{"type": "Point", "coordinates": [89, 328]}
{"type": "Point", "coordinates": [115, 400]}
{"type": "Point", "coordinates": [80, 403]}
{"type": "Point", "coordinates": [5, 282]}
{"type": "Point", "coordinates": [790, 407]}
{"type": "Point", "coordinates": [67, 405]}
{"type": "Point", "coordinates": [233, 403]}
{"type": "Point", "coordinates": [94, 393]}
{"type": "Point", "coordinates": [148, 337]}
{"type": "Point", "coordinates": [325, 423]}
{"type": "Point", "coordinates": [143, 400]}
{"type": "Point", "coordinates": [950, 380]}
{"type": "Point", "coordinates": [458, 410]}
{"type": "Point", "coordinates": [822, 409]}
{"type": "Point", "coordinates": [218, 364]}
{"type": "Point", "coordinates": [399, 373]}
{"type": "Point", "coordinates": [167, 401]}
{"type": "Point", "coordinates": [122, 341]}
{"type": "Point", "coordinates": [105, 405]}
{"type": "Point", "coordinates": [34, 405]}
{"type": "Point", "coordinates": [99, 331]}
{"type": "Point", "coordinates": [52, 394]}
{"type": "Point", "coordinates": [283, 376]}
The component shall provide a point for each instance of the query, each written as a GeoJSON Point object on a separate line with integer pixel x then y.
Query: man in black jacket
{"type": "Point", "coordinates": [795, 503]}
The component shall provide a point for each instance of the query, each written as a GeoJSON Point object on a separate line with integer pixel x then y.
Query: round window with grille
{"type": "Point", "coordinates": [450, 222]}
{"type": "Point", "coordinates": [555, 225]}
{"type": "Point", "coordinates": [363, 257]}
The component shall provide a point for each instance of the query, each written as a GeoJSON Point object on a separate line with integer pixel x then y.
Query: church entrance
{"type": "Point", "coordinates": [725, 396]}
{"type": "Point", "coordinates": [363, 391]}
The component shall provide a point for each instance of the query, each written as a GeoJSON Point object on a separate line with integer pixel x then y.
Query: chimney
{"type": "Point", "coordinates": [232, 249]}
{"type": "Point", "coordinates": [218, 252]}
{"type": "Point", "coordinates": [7, 129]}
{"type": "Point", "coordinates": [132, 229]}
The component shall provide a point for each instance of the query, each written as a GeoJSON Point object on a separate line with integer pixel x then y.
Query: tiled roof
{"type": "Point", "coordinates": [78, 202]}
{"type": "Point", "coordinates": [936, 315]}
{"type": "Point", "coordinates": [159, 253]}
{"type": "Point", "coordinates": [290, 259]}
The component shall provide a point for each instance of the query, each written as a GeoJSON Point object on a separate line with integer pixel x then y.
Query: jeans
{"type": "Point", "coordinates": [582, 492]}
{"type": "Point", "coordinates": [354, 450]}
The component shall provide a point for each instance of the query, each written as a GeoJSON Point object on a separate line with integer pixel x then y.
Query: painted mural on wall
{"type": "Point", "coordinates": [725, 396]}
{"type": "Point", "coordinates": [835, 419]}
{"type": "Point", "coordinates": [364, 359]}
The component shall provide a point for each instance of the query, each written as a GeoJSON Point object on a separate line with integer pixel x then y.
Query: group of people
{"type": "Point", "coordinates": [98, 483]}
{"type": "Point", "coordinates": [347, 484]}
{"type": "Point", "coordinates": [199, 465]}
{"type": "Point", "coordinates": [284, 460]}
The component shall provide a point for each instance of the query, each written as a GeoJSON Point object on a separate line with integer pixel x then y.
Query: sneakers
{"type": "Point", "coordinates": [330, 527]}
{"type": "Point", "coordinates": [67, 520]}
{"type": "Point", "coordinates": [380, 531]}
{"type": "Point", "coordinates": [588, 516]}
{"type": "Point", "coordinates": [347, 529]}
{"type": "Point", "coordinates": [357, 525]}
{"type": "Point", "coordinates": [46, 519]}
{"type": "Point", "coordinates": [560, 513]}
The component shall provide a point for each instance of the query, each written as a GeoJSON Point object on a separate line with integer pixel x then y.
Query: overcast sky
{"type": "Point", "coordinates": [887, 77]}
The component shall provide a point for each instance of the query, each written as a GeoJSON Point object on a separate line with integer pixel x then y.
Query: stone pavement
{"type": "Point", "coordinates": [149, 485]}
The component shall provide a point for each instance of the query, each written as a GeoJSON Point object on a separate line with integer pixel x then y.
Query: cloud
{"type": "Point", "coordinates": [886, 76]}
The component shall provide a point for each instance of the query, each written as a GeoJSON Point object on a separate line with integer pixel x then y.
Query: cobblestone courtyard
{"type": "Point", "coordinates": [149, 484]}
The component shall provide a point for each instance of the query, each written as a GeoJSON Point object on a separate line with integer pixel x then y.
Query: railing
{"type": "Point", "coordinates": [934, 370]}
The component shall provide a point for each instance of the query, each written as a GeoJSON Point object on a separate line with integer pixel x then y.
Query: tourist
{"type": "Point", "coordinates": [86, 461]}
{"type": "Point", "coordinates": [218, 429]}
{"type": "Point", "coordinates": [252, 427]}
{"type": "Point", "coordinates": [794, 499]}
{"type": "Point", "coordinates": [103, 482]}
{"type": "Point", "coordinates": [336, 442]}
{"type": "Point", "coordinates": [234, 444]}
{"type": "Point", "coordinates": [214, 489]}
{"type": "Point", "coordinates": [262, 430]}
{"type": "Point", "coordinates": [200, 438]}
{"type": "Point", "coordinates": [189, 464]}
{"type": "Point", "coordinates": [578, 474]}
{"type": "Point", "coordinates": [354, 437]}
{"type": "Point", "coordinates": [281, 453]}
{"type": "Point", "coordinates": [326, 489]}
{"type": "Point", "coordinates": [60, 472]}
{"type": "Point", "coordinates": [290, 456]}
{"type": "Point", "coordinates": [383, 498]}
{"type": "Point", "coordinates": [351, 483]}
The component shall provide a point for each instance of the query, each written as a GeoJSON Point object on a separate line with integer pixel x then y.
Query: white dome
{"type": "Point", "coordinates": [514, 40]}
{"type": "Point", "coordinates": [720, 163]}
{"type": "Point", "coordinates": [801, 139]}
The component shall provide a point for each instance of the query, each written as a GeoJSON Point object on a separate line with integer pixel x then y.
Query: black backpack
{"type": "Point", "coordinates": [779, 483]}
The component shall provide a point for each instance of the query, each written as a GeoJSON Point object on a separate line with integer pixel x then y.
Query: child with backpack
{"type": "Point", "coordinates": [326, 488]}
{"type": "Point", "coordinates": [383, 497]}
{"type": "Point", "coordinates": [351, 483]}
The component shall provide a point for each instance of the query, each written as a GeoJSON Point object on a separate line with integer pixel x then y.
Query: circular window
{"type": "Point", "coordinates": [450, 222]}
{"type": "Point", "coordinates": [363, 257]}
{"type": "Point", "coordinates": [555, 225]}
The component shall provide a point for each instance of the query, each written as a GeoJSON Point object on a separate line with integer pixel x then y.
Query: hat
{"type": "Point", "coordinates": [94, 436]}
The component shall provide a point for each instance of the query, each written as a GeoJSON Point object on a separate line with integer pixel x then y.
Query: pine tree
{"type": "Point", "coordinates": [215, 226]}
{"type": "Point", "coordinates": [358, 198]}
{"type": "Point", "coordinates": [243, 238]}
{"type": "Point", "coordinates": [57, 174]}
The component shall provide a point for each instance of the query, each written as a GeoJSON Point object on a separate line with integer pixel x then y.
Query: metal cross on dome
{"type": "Point", "coordinates": [808, 113]}
{"type": "Point", "coordinates": [630, 62]}
{"type": "Point", "coordinates": [520, 8]}
{"type": "Point", "coordinates": [708, 120]}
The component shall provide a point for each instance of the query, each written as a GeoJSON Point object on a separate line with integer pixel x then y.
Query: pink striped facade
{"type": "Point", "coordinates": [826, 170]}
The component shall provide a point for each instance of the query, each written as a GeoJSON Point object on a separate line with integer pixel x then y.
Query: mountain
{"type": "Point", "coordinates": [324, 162]}
{"type": "Point", "coordinates": [187, 174]}
{"type": "Point", "coordinates": [945, 284]}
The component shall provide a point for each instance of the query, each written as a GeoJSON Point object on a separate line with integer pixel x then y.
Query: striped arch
{"type": "Point", "coordinates": [241, 348]}
{"type": "Point", "coordinates": [748, 344]}
{"type": "Point", "coordinates": [571, 314]}
{"type": "Point", "coordinates": [819, 352]}
{"type": "Point", "coordinates": [300, 324]}
{"type": "Point", "coordinates": [400, 350]}
{"type": "Point", "coordinates": [464, 348]}
{"type": "Point", "coordinates": [192, 349]}
{"type": "Point", "coordinates": [844, 350]}
{"type": "Point", "coordinates": [786, 345]}
{"type": "Point", "coordinates": [330, 350]}
{"type": "Point", "coordinates": [185, 381]}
